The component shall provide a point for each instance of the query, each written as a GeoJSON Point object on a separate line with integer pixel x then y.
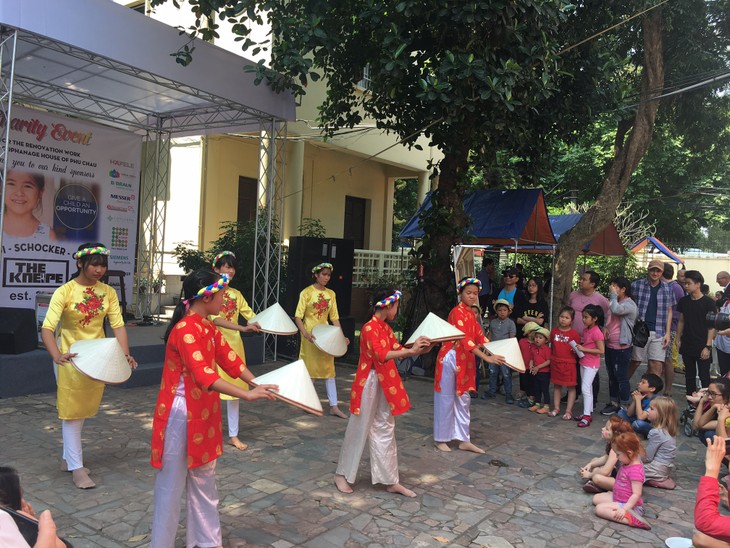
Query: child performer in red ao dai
{"type": "Point", "coordinates": [377, 396]}
{"type": "Point", "coordinates": [456, 372]}
{"type": "Point", "coordinates": [186, 429]}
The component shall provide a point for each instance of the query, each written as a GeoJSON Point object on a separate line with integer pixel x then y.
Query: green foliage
{"type": "Point", "coordinates": [405, 204]}
{"type": "Point", "coordinates": [312, 227]}
{"type": "Point", "coordinates": [236, 237]}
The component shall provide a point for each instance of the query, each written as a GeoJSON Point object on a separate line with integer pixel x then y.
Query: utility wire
{"type": "Point", "coordinates": [604, 31]}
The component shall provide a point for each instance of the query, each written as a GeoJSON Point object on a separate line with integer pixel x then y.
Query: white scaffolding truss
{"type": "Point", "coordinates": [269, 213]}
{"type": "Point", "coordinates": [61, 55]}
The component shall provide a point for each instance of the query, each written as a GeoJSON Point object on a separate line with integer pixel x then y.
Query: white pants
{"type": "Point", "coordinates": [451, 415]}
{"type": "Point", "coordinates": [587, 374]}
{"type": "Point", "coordinates": [233, 407]}
{"type": "Point", "coordinates": [203, 521]}
{"type": "Point", "coordinates": [376, 425]}
{"type": "Point", "coordinates": [331, 387]}
{"type": "Point", "coordinates": [72, 451]}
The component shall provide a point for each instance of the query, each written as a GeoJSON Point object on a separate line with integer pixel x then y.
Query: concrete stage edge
{"type": "Point", "coordinates": [32, 372]}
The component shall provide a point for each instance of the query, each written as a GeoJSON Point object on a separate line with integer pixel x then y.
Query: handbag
{"type": "Point", "coordinates": [640, 333]}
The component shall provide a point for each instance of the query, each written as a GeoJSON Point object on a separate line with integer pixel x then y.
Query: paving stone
{"type": "Point", "coordinates": [280, 492]}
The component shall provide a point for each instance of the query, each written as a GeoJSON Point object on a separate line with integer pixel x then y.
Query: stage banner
{"type": "Point", "coordinates": [68, 182]}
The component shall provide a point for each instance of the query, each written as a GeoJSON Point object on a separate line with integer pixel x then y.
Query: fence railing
{"type": "Point", "coordinates": [370, 264]}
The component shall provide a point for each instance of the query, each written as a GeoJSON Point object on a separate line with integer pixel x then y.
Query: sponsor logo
{"type": "Point", "coordinates": [122, 198]}
{"type": "Point", "coordinates": [119, 208]}
{"type": "Point", "coordinates": [122, 163]}
{"type": "Point", "coordinates": [121, 185]}
{"type": "Point", "coordinates": [120, 237]}
{"type": "Point", "coordinates": [114, 174]}
{"type": "Point", "coordinates": [33, 273]}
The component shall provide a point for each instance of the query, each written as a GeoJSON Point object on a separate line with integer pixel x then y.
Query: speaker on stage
{"type": "Point", "coordinates": [306, 252]}
{"type": "Point", "coordinates": [18, 330]}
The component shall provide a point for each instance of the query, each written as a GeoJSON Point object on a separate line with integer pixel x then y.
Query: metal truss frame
{"type": "Point", "coordinates": [269, 213]}
{"type": "Point", "coordinates": [8, 43]}
{"type": "Point", "coordinates": [219, 112]}
{"type": "Point", "coordinates": [152, 221]}
{"type": "Point", "coordinates": [213, 113]}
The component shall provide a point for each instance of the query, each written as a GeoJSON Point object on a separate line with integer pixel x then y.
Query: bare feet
{"type": "Point", "coordinates": [335, 411]}
{"type": "Point", "coordinates": [398, 488]}
{"type": "Point", "coordinates": [442, 446]}
{"type": "Point", "coordinates": [64, 467]}
{"type": "Point", "coordinates": [238, 444]}
{"type": "Point", "coordinates": [469, 446]}
{"type": "Point", "coordinates": [342, 484]}
{"type": "Point", "coordinates": [81, 479]}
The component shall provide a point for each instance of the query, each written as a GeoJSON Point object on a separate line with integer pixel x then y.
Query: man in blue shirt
{"type": "Point", "coordinates": [655, 300]}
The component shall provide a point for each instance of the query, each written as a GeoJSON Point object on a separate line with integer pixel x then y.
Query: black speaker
{"type": "Point", "coordinates": [18, 330]}
{"type": "Point", "coordinates": [305, 253]}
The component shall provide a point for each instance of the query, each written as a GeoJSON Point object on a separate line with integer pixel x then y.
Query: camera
{"type": "Point", "coordinates": [718, 320]}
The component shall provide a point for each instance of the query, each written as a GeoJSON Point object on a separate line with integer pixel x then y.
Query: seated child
{"type": "Point", "coordinates": [649, 386]}
{"type": "Point", "coordinates": [661, 446]}
{"type": "Point", "coordinates": [624, 504]}
{"type": "Point", "coordinates": [500, 328]}
{"type": "Point", "coordinates": [599, 471]}
{"type": "Point", "coordinates": [539, 368]}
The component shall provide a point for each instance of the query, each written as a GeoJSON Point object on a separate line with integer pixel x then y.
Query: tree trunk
{"type": "Point", "coordinates": [444, 226]}
{"type": "Point", "coordinates": [628, 151]}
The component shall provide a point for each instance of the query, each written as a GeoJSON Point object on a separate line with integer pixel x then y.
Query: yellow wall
{"type": "Point", "coordinates": [225, 158]}
{"type": "Point", "coordinates": [328, 178]}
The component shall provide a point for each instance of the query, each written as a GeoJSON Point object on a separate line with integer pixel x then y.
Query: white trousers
{"type": "Point", "coordinates": [72, 451]}
{"type": "Point", "coordinates": [331, 387]}
{"type": "Point", "coordinates": [587, 374]}
{"type": "Point", "coordinates": [233, 407]}
{"type": "Point", "coordinates": [376, 425]}
{"type": "Point", "coordinates": [451, 414]}
{"type": "Point", "coordinates": [203, 521]}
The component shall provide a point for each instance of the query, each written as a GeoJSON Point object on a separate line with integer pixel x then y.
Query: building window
{"type": "Point", "coordinates": [365, 82]}
{"type": "Point", "coordinates": [247, 199]}
{"type": "Point", "coordinates": [356, 220]}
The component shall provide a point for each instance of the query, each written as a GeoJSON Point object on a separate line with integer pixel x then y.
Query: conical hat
{"type": "Point", "coordinates": [510, 349]}
{"type": "Point", "coordinates": [295, 387]}
{"type": "Point", "coordinates": [330, 339]}
{"type": "Point", "coordinates": [275, 320]}
{"type": "Point", "coordinates": [436, 329]}
{"type": "Point", "coordinates": [101, 359]}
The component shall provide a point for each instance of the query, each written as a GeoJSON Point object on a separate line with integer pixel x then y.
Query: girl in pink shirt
{"type": "Point", "coordinates": [592, 349]}
{"type": "Point", "coordinates": [624, 504]}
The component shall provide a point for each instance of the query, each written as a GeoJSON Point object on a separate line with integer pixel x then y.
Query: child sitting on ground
{"type": "Point", "coordinates": [500, 328]}
{"type": "Point", "coordinates": [624, 504]}
{"type": "Point", "coordinates": [599, 471]}
{"type": "Point", "coordinates": [661, 446]}
{"type": "Point", "coordinates": [539, 368]}
{"type": "Point", "coordinates": [562, 361]}
{"type": "Point", "coordinates": [649, 387]}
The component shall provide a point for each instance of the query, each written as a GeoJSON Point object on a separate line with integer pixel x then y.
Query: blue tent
{"type": "Point", "coordinates": [606, 243]}
{"type": "Point", "coordinates": [658, 245]}
{"type": "Point", "coordinates": [499, 217]}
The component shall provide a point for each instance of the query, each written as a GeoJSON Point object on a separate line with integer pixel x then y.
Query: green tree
{"type": "Point", "coordinates": [466, 75]}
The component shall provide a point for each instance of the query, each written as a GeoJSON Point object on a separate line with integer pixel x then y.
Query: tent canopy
{"type": "Point", "coordinates": [106, 62]}
{"type": "Point", "coordinates": [606, 243]}
{"type": "Point", "coordinates": [658, 245]}
{"type": "Point", "coordinates": [499, 217]}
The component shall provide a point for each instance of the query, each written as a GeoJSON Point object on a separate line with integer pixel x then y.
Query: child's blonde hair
{"type": "Point", "coordinates": [666, 414]}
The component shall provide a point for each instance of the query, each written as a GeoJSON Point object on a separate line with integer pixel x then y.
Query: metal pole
{"type": "Point", "coordinates": [7, 46]}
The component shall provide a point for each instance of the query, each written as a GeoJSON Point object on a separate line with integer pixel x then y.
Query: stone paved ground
{"type": "Point", "coordinates": [524, 492]}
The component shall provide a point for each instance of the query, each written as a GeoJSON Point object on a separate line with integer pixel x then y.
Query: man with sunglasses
{"type": "Point", "coordinates": [510, 292]}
